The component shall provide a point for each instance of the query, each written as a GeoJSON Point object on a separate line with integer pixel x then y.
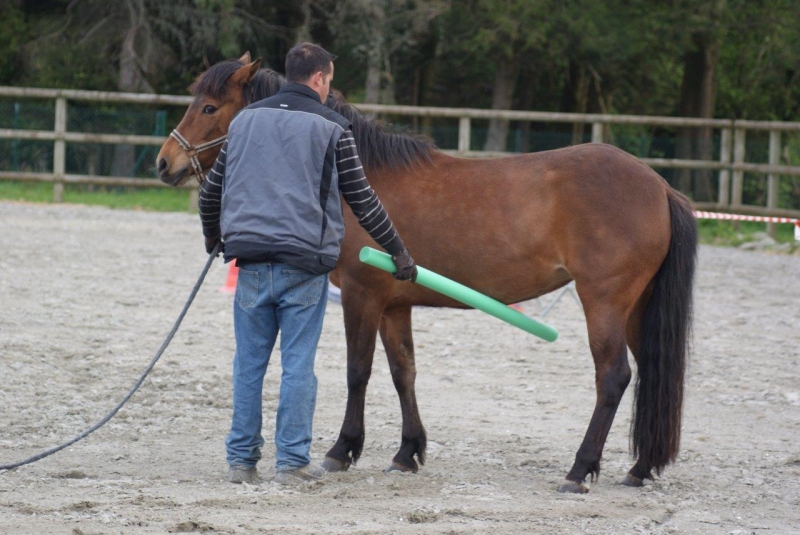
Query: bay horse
{"type": "Point", "coordinates": [513, 228]}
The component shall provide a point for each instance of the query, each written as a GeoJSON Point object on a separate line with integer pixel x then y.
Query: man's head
{"type": "Point", "coordinates": [311, 65]}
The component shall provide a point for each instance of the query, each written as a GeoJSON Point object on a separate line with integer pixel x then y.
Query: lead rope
{"type": "Point", "coordinates": [136, 386]}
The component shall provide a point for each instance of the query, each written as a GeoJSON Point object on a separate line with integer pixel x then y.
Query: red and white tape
{"type": "Point", "coordinates": [758, 218]}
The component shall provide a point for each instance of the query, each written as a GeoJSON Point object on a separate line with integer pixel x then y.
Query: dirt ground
{"type": "Point", "coordinates": [88, 295]}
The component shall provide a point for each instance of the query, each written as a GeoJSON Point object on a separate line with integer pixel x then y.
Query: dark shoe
{"type": "Point", "coordinates": [298, 476]}
{"type": "Point", "coordinates": [242, 474]}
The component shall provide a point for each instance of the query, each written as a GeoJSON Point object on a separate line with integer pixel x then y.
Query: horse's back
{"type": "Point", "coordinates": [564, 198]}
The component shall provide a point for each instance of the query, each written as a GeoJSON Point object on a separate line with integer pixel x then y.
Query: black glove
{"type": "Point", "coordinates": [211, 243]}
{"type": "Point", "coordinates": [406, 269]}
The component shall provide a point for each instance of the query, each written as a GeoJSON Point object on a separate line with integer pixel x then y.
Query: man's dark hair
{"type": "Point", "coordinates": [305, 59]}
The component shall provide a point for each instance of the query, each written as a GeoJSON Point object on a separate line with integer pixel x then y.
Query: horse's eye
{"type": "Point", "coordinates": [209, 109]}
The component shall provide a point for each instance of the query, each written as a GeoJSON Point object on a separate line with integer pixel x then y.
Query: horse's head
{"type": "Point", "coordinates": [219, 93]}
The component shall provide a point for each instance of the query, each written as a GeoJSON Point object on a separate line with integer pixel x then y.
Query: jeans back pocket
{"type": "Point", "coordinates": [246, 288]}
{"type": "Point", "coordinates": [302, 287]}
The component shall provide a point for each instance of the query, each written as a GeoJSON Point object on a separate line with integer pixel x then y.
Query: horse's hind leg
{"type": "Point", "coordinates": [361, 317]}
{"type": "Point", "coordinates": [642, 469]}
{"type": "Point", "coordinates": [395, 329]}
{"type": "Point", "coordinates": [606, 323]}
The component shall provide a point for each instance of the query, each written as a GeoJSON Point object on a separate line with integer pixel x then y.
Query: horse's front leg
{"type": "Point", "coordinates": [362, 313]}
{"type": "Point", "coordinates": [395, 329]}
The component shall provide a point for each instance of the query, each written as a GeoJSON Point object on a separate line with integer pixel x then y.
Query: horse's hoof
{"type": "Point", "coordinates": [573, 487]}
{"type": "Point", "coordinates": [334, 465]}
{"type": "Point", "coordinates": [632, 481]}
{"type": "Point", "coordinates": [397, 467]}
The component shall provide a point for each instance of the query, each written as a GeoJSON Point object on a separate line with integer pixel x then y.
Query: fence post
{"type": "Point", "coordinates": [738, 174]}
{"type": "Point", "coordinates": [59, 150]}
{"type": "Point", "coordinates": [773, 179]}
{"type": "Point", "coordinates": [724, 196]}
{"type": "Point", "coordinates": [15, 142]}
{"type": "Point", "coordinates": [464, 134]}
{"type": "Point", "coordinates": [194, 200]}
{"type": "Point", "coordinates": [597, 132]}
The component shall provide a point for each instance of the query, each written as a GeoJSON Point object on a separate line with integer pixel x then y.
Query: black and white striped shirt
{"type": "Point", "coordinates": [353, 185]}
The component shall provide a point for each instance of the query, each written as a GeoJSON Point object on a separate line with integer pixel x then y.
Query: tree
{"type": "Point", "coordinates": [125, 33]}
{"type": "Point", "coordinates": [746, 50]}
{"type": "Point", "coordinates": [375, 32]}
{"type": "Point", "coordinates": [759, 69]}
{"type": "Point", "coordinates": [572, 55]}
{"type": "Point", "coordinates": [698, 91]}
{"type": "Point", "coordinates": [505, 32]}
{"type": "Point", "coordinates": [13, 32]}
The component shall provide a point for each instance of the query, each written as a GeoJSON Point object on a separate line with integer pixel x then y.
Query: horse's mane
{"type": "Point", "coordinates": [378, 143]}
{"type": "Point", "coordinates": [214, 81]}
{"type": "Point", "coordinates": [263, 84]}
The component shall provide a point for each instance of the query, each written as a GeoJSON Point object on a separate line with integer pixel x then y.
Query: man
{"type": "Point", "coordinates": [273, 197]}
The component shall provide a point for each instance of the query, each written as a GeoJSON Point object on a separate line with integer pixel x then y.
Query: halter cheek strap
{"type": "Point", "coordinates": [193, 150]}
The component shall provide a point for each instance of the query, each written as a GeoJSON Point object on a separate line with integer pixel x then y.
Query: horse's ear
{"type": "Point", "coordinates": [245, 74]}
{"type": "Point", "coordinates": [254, 67]}
{"type": "Point", "coordinates": [245, 58]}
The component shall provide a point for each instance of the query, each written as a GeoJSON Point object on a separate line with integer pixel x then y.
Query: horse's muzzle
{"type": "Point", "coordinates": [173, 180]}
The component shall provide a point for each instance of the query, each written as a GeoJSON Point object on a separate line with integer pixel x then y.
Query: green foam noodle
{"type": "Point", "coordinates": [463, 294]}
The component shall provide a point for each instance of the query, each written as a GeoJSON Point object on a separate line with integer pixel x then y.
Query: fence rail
{"type": "Point", "coordinates": [731, 163]}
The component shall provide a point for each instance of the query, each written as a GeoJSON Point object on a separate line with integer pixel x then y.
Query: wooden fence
{"type": "Point", "coordinates": [731, 164]}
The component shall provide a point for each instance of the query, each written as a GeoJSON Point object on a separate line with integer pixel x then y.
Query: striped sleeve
{"type": "Point", "coordinates": [210, 202]}
{"type": "Point", "coordinates": [361, 198]}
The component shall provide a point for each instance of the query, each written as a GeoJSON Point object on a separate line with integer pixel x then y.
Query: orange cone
{"type": "Point", "coordinates": [230, 282]}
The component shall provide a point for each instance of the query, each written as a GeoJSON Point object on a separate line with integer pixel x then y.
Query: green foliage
{"type": "Point", "coordinates": [53, 65]}
{"type": "Point", "coordinates": [732, 233]}
{"type": "Point", "coordinates": [759, 74]}
{"type": "Point", "coordinates": [628, 54]}
{"type": "Point", "coordinates": [13, 33]}
{"type": "Point", "coordinates": [505, 28]}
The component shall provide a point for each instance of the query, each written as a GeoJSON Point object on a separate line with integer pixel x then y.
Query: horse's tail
{"type": "Point", "coordinates": [663, 353]}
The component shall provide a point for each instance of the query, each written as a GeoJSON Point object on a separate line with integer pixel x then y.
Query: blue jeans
{"type": "Point", "coordinates": [272, 297]}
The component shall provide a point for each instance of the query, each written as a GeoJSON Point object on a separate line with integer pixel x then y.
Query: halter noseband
{"type": "Point", "coordinates": [193, 150]}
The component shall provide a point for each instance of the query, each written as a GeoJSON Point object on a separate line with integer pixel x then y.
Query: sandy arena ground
{"type": "Point", "coordinates": [88, 294]}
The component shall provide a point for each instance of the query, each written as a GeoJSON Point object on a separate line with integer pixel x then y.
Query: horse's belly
{"type": "Point", "coordinates": [506, 289]}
